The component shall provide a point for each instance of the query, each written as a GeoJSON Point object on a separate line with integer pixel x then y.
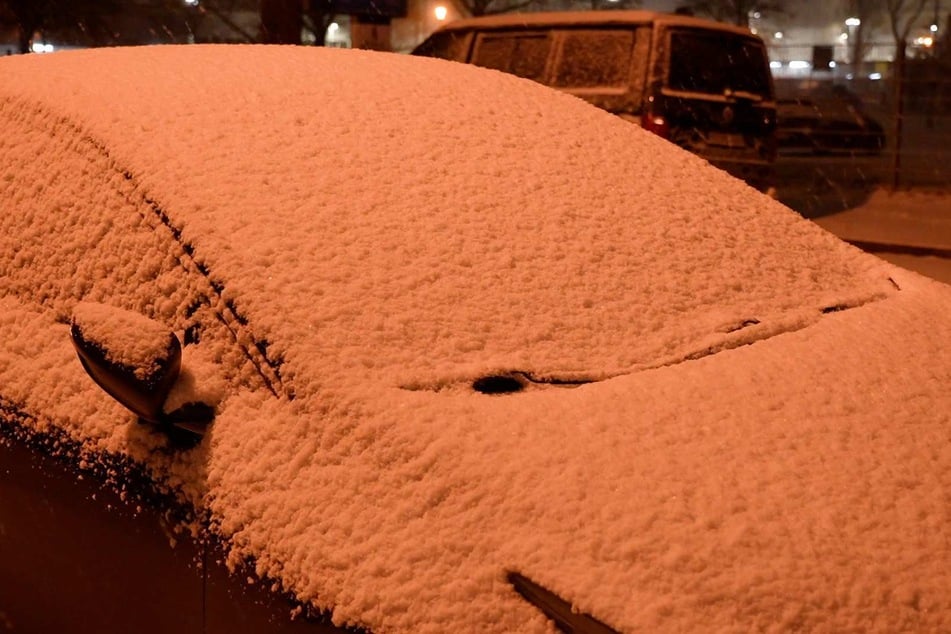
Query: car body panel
{"type": "Point", "coordinates": [51, 542]}
{"type": "Point", "coordinates": [127, 561]}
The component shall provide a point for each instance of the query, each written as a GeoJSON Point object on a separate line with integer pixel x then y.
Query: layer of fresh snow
{"type": "Point", "coordinates": [126, 338]}
{"type": "Point", "coordinates": [591, 18]}
{"type": "Point", "coordinates": [396, 227]}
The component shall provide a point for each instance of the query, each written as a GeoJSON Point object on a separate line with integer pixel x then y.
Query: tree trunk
{"type": "Point", "coordinates": [281, 21]}
{"type": "Point", "coordinates": [858, 47]}
{"type": "Point", "coordinates": [23, 39]}
{"type": "Point", "coordinates": [742, 15]}
{"type": "Point", "coordinates": [27, 25]}
{"type": "Point", "coordinates": [900, 50]}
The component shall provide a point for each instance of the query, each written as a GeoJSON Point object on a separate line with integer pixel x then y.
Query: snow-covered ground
{"type": "Point", "coordinates": [909, 227]}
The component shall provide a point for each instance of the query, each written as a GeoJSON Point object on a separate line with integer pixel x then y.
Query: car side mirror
{"type": "Point", "coordinates": [134, 359]}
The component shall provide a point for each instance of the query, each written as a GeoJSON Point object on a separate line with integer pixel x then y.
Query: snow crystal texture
{"type": "Point", "coordinates": [369, 233]}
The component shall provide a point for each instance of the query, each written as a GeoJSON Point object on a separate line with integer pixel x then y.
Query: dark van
{"type": "Point", "coordinates": [704, 85]}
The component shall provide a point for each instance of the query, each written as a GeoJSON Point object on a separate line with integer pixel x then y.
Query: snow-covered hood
{"type": "Point", "coordinates": [396, 228]}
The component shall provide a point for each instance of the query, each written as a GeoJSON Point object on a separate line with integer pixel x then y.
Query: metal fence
{"type": "Point", "coordinates": [919, 117]}
{"type": "Point", "coordinates": [913, 106]}
{"type": "Point", "coordinates": [914, 109]}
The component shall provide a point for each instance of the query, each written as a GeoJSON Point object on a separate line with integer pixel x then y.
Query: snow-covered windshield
{"type": "Point", "coordinates": [414, 232]}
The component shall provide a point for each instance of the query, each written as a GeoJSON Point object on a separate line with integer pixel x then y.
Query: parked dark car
{"type": "Point", "coordinates": [434, 349]}
{"type": "Point", "coordinates": [825, 119]}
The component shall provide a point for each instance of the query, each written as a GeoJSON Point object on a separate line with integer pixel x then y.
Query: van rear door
{"type": "Point", "coordinates": [715, 91]}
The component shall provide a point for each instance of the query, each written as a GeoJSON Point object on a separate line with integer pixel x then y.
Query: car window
{"type": "Point", "coordinates": [522, 54]}
{"type": "Point", "coordinates": [452, 45]}
{"type": "Point", "coordinates": [715, 62]}
{"type": "Point", "coordinates": [593, 59]}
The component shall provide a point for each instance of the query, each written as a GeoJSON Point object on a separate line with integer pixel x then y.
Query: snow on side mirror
{"type": "Point", "coordinates": [133, 358]}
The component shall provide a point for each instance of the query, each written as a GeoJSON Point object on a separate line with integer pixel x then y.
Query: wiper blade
{"type": "Point", "coordinates": [556, 608]}
{"type": "Point", "coordinates": [746, 95]}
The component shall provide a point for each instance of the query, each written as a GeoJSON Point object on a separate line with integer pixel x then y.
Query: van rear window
{"type": "Point", "coordinates": [716, 63]}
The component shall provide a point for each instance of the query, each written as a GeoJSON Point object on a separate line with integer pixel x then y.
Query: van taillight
{"type": "Point", "coordinates": [656, 124]}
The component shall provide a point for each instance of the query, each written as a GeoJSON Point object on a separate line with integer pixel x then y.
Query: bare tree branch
{"type": "Point", "coordinates": [734, 11]}
{"type": "Point", "coordinates": [224, 16]}
{"type": "Point", "coordinates": [485, 7]}
{"type": "Point", "coordinates": [910, 9]}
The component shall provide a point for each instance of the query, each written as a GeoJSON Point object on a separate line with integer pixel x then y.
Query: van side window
{"type": "Point", "coordinates": [522, 54]}
{"type": "Point", "coordinates": [452, 45]}
{"type": "Point", "coordinates": [594, 59]}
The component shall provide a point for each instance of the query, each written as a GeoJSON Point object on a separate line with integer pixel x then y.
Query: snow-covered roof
{"type": "Point", "coordinates": [589, 18]}
{"type": "Point", "coordinates": [395, 228]}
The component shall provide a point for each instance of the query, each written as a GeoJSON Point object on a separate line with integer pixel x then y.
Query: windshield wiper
{"type": "Point", "coordinates": [745, 95]}
{"type": "Point", "coordinates": [556, 608]}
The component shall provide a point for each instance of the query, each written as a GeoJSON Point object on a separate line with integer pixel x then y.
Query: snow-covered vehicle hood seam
{"type": "Point", "coordinates": [744, 333]}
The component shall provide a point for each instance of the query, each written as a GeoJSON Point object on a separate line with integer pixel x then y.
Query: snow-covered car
{"type": "Point", "coordinates": [433, 348]}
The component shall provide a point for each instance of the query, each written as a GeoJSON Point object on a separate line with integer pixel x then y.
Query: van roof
{"type": "Point", "coordinates": [563, 18]}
